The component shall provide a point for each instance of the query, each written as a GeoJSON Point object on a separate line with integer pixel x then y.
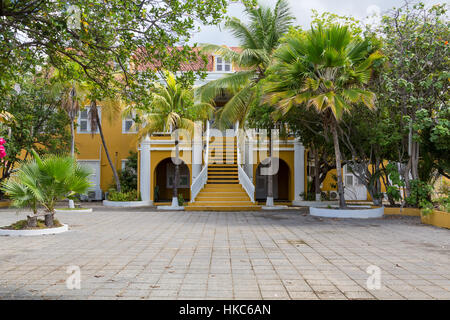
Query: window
{"type": "Point", "coordinates": [184, 176]}
{"type": "Point", "coordinates": [128, 124]}
{"type": "Point", "coordinates": [349, 180]}
{"type": "Point", "coordinates": [223, 64]}
{"type": "Point", "coordinates": [84, 120]}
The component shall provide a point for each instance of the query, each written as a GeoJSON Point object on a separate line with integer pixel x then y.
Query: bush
{"type": "Point", "coordinates": [443, 204]}
{"type": "Point", "coordinates": [128, 176]}
{"type": "Point", "coordinates": [131, 195]}
{"type": "Point", "coordinates": [310, 196]}
{"type": "Point", "coordinates": [180, 199]}
{"type": "Point", "coordinates": [420, 193]}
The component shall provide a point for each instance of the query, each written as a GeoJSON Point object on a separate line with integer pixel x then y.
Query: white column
{"type": "Point", "coordinates": [144, 178]}
{"type": "Point", "coordinates": [197, 150]}
{"type": "Point", "coordinates": [299, 170]}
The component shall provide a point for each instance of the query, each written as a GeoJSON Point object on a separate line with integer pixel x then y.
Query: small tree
{"type": "Point", "coordinates": [172, 107]}
{"type": "Point", "coordinates": [327, 70]}
{"type": "Point", "coordinates": [46, 181]}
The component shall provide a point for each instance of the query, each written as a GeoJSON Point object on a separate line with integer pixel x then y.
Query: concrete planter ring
{"type": "Point", "coordinates": [84, 210]}
{"type": "Point", "coordinates": [363, 212]}
{"type": "Point", "coordinates": [34, 232]}
{"type": "Point", "coordinates": [126, 204]}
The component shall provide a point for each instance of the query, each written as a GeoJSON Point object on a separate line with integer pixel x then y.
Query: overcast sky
{"type": "Point", "coordinates": [302, 12]}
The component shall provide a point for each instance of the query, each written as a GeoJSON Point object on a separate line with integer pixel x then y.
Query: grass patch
{"type": "Point", "coordinates": [22, 225]}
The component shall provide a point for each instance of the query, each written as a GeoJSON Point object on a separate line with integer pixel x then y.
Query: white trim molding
{"type": "Point", "coordinates": [144, 174]}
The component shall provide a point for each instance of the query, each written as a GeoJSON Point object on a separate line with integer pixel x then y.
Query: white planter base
{"type": "Point", "coordinates": [87, 210]}
{"type": "Point", "coordinates": [363, 213]}
{"type": "Point", "coordinates": [170, 208]}
{"type": "Point", "coordinates": [274, 208]}
{"type": "Point", "coordinates": [301, 203]}
{"type": "Point", "coordinates": [269, 202]}
{"type": "Point", "coordinates": [127, 204]}
{"type": "Point", "coordinates": [36, 232]}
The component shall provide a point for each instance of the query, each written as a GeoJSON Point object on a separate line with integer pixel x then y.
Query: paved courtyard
{"type": "Point", "coordinates": [137, 254]}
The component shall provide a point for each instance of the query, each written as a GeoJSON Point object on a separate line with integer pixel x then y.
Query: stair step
{"type": "Point", "coordinates": [223, 209]}
{"type": "Point", "coordinates": [227, 198]}
{"type": "Point", "coordinates": [215, 187]}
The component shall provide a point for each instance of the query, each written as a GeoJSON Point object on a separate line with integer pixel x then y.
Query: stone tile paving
{"type": "Point", "coordinates": [144, 254]}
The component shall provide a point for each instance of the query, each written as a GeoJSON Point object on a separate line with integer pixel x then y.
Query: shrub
{"type": "Point", "coordinates": [44, 182]}
{"type": "Point", "coordinates": [180, 199]}
{"type": "Point", "coordinates": [128, 176]}
{"type": "Point", "coordinates": [420, 192]}
{"type": "Point", "coordinates": [131, 195]}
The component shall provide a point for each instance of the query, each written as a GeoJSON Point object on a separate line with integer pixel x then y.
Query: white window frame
{"type": "Point", "coordinates": [348, 173]}
{"type": "Point", "coordinates": [88, 125]}
{"type": "Point", "coordinates": [223, 63]}
{"type": "Point", "coordinates": [124, 121]}
{"type": "Point", "coordinates": [123, 163]}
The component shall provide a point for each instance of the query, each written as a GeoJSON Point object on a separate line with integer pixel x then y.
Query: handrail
{"type": "Point", "coordinates": [244, 180]}
{"type": "Point", "coordinates": [200, 181]}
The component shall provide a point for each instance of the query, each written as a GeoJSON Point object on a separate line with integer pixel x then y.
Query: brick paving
{"type": "Point", "coordinates": [143, 254]}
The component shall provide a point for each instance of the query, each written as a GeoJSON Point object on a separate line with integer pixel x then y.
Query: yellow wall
{"type": "Point", "coordinates": [157, 157]}
{"type": "Point", "coordinates": [119, 145]}
{"type": "Point", "coordinates": [329, 181]}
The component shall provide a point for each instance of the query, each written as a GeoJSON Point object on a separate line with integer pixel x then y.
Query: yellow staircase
{"type": "Point", "coordinates": [222, 191]}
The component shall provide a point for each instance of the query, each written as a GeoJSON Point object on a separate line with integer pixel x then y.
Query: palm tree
{"type": "Point", "coordinates": [258, 41]}
{"type": "Point", "coordinates": [172, 107]}
{"type": "Point", "coordinates": [326, 69]}
{"type": "Point", "coordinates": [73, 95]}
{"type": "Point", "coordinates": [111, 107]}
{"type": "Point", "coordinates": [46, 181]}
{"type": "Point", "coordinates": [20, 188]}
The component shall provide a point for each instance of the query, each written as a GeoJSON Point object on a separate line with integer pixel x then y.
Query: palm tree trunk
{"type": "Point", "coordinates": [49, 219]}
{"type": "Point", "coordinates": [72, 133]}
{"type": "Point", "coordinates": [113, 168]}
{"type": "Point", "coordinates": [316, 174]}
{"type": "Point", "coordinates": [337, 152]}
{"type": "Point", "coordinates": [176, 178]}
{"type": "Point", "coordinates": [32, 221]}
{"type": "Point", "coordinates": [269, 201]}
{"type": "Point", "coordinates": [72, 147]}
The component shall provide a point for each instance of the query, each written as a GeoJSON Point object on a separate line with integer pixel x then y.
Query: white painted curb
{"type": "Point", "coordinates": [364, 213]}
{"type": "Point", "coordinates": [87, 210]}
{"type": "Point", "coordinates": [274, 208]}
{"type": "Point", "coordinates": [35, 232]}
{"type": "Point", "coordinates": [170, 208]}
{"type": "Point", "coordinates": [127, 204]}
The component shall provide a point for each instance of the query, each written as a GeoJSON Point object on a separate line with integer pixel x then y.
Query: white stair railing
{"type": "Point", "coordinates": [202, 178]}
{"type": "Point", "coordinates": [244, 180]}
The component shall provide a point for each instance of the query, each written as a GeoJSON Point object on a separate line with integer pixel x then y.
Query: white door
{"type": "Point", "coordinates": [94, 166]}
{"type": "Point", "coordinates": [354, 190]}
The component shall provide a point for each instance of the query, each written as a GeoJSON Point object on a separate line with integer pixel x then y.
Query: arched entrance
{"type": "Point", "coordinates": [164, 178]}
{"type": "Point", "coordinates": [281, 182]}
